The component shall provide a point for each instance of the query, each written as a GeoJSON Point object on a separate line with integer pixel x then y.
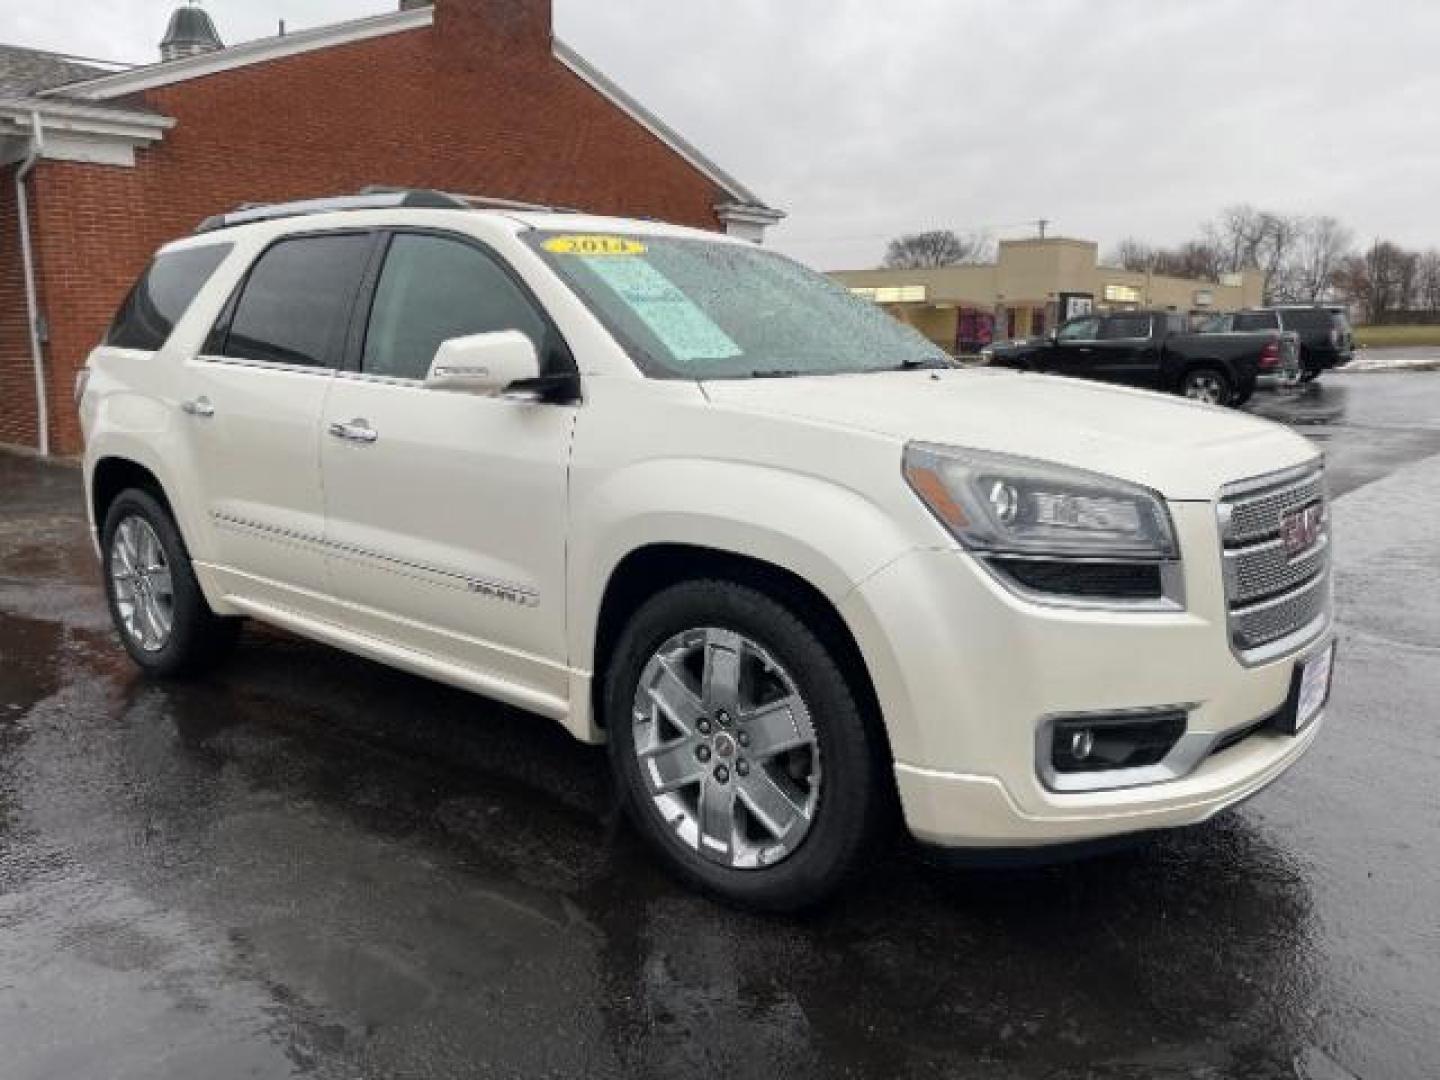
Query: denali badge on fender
{"type": "Point", "coordinates": [1300, 529]}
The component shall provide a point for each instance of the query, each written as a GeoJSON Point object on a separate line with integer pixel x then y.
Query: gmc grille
{"type": "Point", "coordinates": [1277, 600]}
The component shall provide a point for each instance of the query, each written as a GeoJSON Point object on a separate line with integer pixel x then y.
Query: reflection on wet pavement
{"type": "Point", "coordinates": [309, 865]}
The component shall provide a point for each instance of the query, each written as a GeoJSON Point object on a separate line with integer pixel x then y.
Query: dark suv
{"type": "Point", "coordinates": [1325, 338]}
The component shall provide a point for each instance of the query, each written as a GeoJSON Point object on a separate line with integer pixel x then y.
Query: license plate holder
{"type": "Point", "coordinates": [1309, 690]}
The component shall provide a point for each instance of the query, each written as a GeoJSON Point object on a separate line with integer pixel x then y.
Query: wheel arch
{"type": "Point", "coordinates": [646, 571]}
{"type": "Point", "coordinates": [112, 475]}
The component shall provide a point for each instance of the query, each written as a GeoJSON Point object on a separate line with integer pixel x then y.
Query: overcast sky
{"type": "Point", "coordinates": [866, 118]}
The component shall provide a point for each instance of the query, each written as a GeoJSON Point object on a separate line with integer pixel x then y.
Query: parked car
{"type": "Point", "coordinates": [1151, 349]}
{"type": "Point", "coordinates": [686, 497]}
{"type": "Point", "coordinates": [1324, 333]}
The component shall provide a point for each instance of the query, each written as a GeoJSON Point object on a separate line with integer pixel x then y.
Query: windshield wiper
{"type": "Point", "coordinates": [779, 373]}
{"type": "Point", "coordinates": [929, 363]}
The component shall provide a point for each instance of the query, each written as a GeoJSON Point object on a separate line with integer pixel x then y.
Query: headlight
{"type": "Point", "coordinates": [999, 505]}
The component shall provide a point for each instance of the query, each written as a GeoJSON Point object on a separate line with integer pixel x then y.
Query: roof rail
{"type": "Point", "coordinates": [367, 200]}
{"type": "Point", "coordinates": [472, 202]}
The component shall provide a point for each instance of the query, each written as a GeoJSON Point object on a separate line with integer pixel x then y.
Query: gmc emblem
{"type": "Point", "coordinates": [1300, 529]}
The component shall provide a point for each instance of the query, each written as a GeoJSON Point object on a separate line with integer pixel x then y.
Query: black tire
{"type": "Point", "coordinates": [1208, 375]}
{"type": "Point", "coordinates": [852, 808]}
{"type": "Point", "coordinates": [199, 638]}
{"type": "Point", "coordinates": [1309, 375]}
{"type": "Point", "coordinates": [1243, 394]}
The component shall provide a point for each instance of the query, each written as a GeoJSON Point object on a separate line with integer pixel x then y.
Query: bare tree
{"type": "Point", "coordinates": [1192, 259]}
{"type": "Point", "coordinates": [1237, 233]}
{"type": "Point", "coordinates": [939, 247]}
{"type": "Point", "coordinates": [1379, 279]}
{"type": "Point", "coordinates": [1133, 255]}
{"type": "Point", "coordinates": [1428, 281]}
{"type": "Point", "coordinates": [1322, 243]}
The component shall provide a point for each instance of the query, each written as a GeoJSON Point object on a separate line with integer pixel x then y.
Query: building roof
{"type": "Point", "coordinates": [28, 71]}
{"type": "Point", "coordinates": [99, 86]}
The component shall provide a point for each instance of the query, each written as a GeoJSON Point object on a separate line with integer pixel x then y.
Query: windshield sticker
{"type": "Point", "coordinates": [594, 245]}
{"type": "Point", "coordinates": [670, 315]}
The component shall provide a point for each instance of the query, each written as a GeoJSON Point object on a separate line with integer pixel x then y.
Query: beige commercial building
{"type": "Point", "coordinates": [1033, 286]}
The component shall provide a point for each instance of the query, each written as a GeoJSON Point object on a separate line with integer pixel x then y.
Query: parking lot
{"type": "Point", "coordinates": [309, 865]}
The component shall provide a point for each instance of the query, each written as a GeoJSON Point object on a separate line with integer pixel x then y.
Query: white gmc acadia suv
{"type": "Point", "coordinates": [688, 498]}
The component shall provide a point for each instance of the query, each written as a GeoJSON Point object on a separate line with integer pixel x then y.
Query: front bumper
{"type": "Point", "coordinates": [967, 672]}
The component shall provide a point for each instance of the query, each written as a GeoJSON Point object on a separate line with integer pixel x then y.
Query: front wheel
{"type": "Point", "coordinates": [1309, 375]}
{"type": "Point", "coordinates": [739, 747]}
{"type": "Point", "coordinates": [1206, 384]}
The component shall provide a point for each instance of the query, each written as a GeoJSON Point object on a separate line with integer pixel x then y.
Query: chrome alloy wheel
{"type": "Point", "coordinates": [727, 747]}
{"type": "Point", "coordinates": [1205, 386]}
{"type": "Point", "coordinates": [143, 588]}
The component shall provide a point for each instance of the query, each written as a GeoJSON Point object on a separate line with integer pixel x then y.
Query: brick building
{"type": "Point", "coordinates": [473, 96]}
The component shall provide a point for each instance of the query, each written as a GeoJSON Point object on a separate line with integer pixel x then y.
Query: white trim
{"type": "Point", "coordinates": [82, 132]}
{"type": "Point", "coordinates": [747, 221]}
{"type": "Point", "coordinates": [617, 96]}
{"type": "Point", "coordinates": [245, 54]}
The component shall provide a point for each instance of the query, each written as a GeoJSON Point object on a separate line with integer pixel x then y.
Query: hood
{"type": "Point", "coordinates": [1184, 450]}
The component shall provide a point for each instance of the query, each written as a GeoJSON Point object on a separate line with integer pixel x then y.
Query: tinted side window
{"type": "Point", "coordinates": [1308, 319]}
{"type": "Point", "coordinates": [162, 295]}
{"type": "Point", "coordinates": [1126, 326]}
{"type": "Point", "coordinates": [296, 301]}
{"type": "Point", "coordinates": [433, 289]}
{"type": "Point", "coordinates": [1256, 320]}
{"type": "Point", "coordinates": [1080, 330]}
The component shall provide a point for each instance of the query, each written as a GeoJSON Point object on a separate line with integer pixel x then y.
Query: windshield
{"type": "Point", "coordinates": [696, 309]}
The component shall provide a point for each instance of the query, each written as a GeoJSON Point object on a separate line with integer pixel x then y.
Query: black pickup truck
{"type": "Point", "coordinates": [1154, 349]}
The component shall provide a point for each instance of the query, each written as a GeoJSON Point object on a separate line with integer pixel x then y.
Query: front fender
{"type": "Point", "coordinates": [783, 518]}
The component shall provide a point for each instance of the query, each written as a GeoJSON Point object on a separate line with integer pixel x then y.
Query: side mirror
{"type": "Point", "coordinates": [486, 364]}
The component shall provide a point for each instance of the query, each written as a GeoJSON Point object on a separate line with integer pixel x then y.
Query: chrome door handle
{"type": "Point", "coordinates": [355, 431]}
{"type": "Point", "coordinates": [199, 407]}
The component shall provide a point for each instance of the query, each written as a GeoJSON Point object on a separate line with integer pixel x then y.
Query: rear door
{"type": "Point", "coordinates": [1129, 349]}
{"type": "Point", "coordinates": [252, 401]}
{"type": "Point", "coordinates": [446, 512]}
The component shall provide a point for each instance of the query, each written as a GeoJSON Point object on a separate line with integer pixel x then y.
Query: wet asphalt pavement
{"type": "Point", "coordinates": [310, 866]}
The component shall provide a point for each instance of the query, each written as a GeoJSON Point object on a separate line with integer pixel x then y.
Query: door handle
{"type": "Point", "coordinates": [355, 431]}
{"type": "Point", "coordinates": [198, 407]}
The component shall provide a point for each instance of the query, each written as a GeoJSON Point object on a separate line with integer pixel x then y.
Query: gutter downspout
{"type": "Point", "coordinates": [27, 256]}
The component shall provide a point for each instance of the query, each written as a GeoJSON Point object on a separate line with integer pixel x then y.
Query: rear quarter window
{"type": "Point", "coordinates": [163, 294]}
{"type": "Point", "coordinates": [1256, 320]}
{"type": "Point", "coordinates": [1309, 319]}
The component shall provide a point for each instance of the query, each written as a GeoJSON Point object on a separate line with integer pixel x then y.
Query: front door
{"type": "Point", "coordinates": [1074, 349]}
{"type": "Point", "coordinates": [446, 512]}
{"type": "Point", "coordinates": [252, 399]}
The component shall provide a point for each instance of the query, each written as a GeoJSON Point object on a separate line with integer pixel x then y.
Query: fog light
{"type": "Point", "coordinates": [1086, 744]}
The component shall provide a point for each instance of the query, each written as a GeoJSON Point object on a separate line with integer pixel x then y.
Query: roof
{"type": "Point", "coordinates": [98, 86]}
{"type": "Point", "coordinates": [28, 71]}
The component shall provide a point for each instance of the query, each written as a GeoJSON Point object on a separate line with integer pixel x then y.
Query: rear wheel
{"type": "Point", "coordinates": [1243, 393]}
{"type": "Point", "coordinates": [1206, 384]}
{"type": "Point", "coordinates": [741, 751]}
{"type": "Point", "coordinates": [155, 602]}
